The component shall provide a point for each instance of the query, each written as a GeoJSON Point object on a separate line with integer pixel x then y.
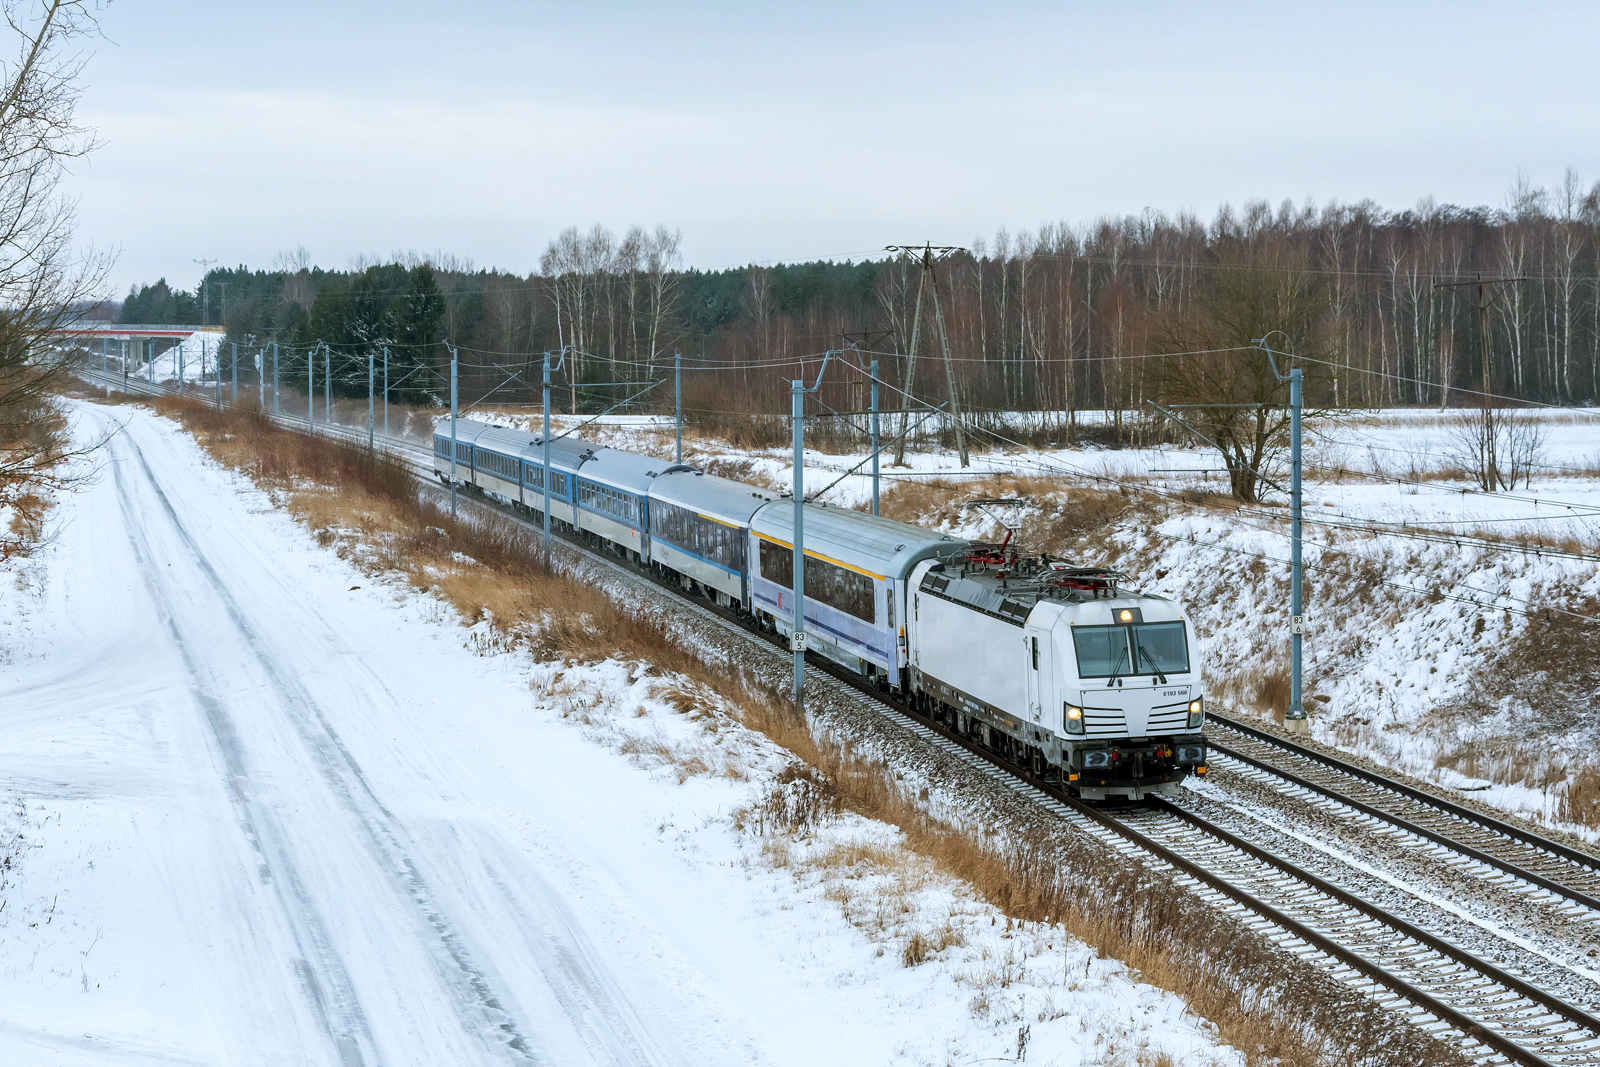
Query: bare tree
{"type": "Point", "coordinates": [1240, 404]}
{"type": "Point", "coordinates": [1499, 453]}
{"type": "Point", "coordinates": [629, 260]}
{"type": "Point", "coordinates": [1446, 359]}
{"type": "Point", "coordinates": [663, 268]}
{"type": "Point", "coordinates": [758, 299]}
{"type": "Point", "coordinates": [44, 283]}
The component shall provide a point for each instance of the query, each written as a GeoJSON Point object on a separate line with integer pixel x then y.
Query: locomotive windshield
{"type": "Point", "coordinates": [1150, 648]}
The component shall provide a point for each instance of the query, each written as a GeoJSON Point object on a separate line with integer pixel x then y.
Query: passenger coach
{"type": "Point", "coordinates": [612, 496]}
{"type": "Point", "coordinates": [700, 532]}
{"type": "Point", "coordinates": [855, 576]}
{"type": "Point", "coordinates": [509, 465]}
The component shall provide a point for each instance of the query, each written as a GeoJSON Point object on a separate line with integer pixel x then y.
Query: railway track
{"type": "Point", "coordinates": [1492, 1015]}
{"type": "Point", "coordinates": [1548, 870]}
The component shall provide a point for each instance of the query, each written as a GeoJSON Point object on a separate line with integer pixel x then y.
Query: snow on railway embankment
{"type": "Point", "coordinates": [275, 810]}
{"type": "Point", "coordinates": [1471, 663]}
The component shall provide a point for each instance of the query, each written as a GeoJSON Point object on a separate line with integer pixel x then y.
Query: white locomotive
{"type": "Point", "coordinates": [1054, 666]}
{"type": "Point", "coordinates": [1060, 669]}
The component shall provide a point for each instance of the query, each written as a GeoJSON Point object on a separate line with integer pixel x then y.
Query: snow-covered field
{"type": "Point", "coordinates": [264, 810]}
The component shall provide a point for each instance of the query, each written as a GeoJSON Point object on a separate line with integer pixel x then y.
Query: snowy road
{"type": "Point", "coordinates": [338, 887]}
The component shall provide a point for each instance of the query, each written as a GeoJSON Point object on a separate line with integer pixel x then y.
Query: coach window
{"type": "Point", "coordinates": [777, 563]}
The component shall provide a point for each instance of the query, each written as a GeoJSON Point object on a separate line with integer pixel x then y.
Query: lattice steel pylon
{"type": "Point", "coordinates": [929, 255]}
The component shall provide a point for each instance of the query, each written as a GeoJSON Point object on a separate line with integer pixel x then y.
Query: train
{"type": "Point", "coordinates": [1060, 669]}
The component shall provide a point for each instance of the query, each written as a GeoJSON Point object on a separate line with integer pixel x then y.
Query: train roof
{"type": "Point", "coordinates": [874, 544]}
{"type": "Point", "coordinates": [467, 430]}
{"type": "Point", "coordinates": [626, 470]}
{"type": "Point", "coordinates": [567, 453]}
{"type": "Point", "coordinates": [506, 441]}
{"type": "Point", "coordinates": [708, 494]}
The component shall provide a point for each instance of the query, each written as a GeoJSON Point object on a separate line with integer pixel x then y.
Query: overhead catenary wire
{"type": "Point", "coordinates": [1062, 468]}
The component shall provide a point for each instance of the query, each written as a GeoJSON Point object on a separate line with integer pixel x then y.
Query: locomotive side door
{"type": "Point", "coordinates": [1037, 669]}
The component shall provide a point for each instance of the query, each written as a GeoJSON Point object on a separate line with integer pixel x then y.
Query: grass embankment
{"type": "Point", "coordinates": [372, 510]}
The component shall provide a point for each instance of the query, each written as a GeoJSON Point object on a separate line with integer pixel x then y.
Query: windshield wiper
{"type": "Point", "coordinates": [1117, 666]}
{"type": "Point", "coordinates": [1152, 661]}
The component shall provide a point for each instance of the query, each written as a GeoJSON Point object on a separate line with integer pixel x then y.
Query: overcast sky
{"type": "Point", "coordinates": [238, 130]}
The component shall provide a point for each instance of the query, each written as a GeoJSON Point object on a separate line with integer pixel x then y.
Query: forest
{"type": "Point", "coordinates": [1061, 319]}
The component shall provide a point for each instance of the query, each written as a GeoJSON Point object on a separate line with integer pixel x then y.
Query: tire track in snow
{"type": "Point", "coordinates": [474, 1001]}
{"type": "Point", "coordinates": [327, 983]}
{"type": "Point", "coordinates": [597, 1007]}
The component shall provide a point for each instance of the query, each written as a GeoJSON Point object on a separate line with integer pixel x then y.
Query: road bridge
{"type": "Point", "coordinates": [130, 345]}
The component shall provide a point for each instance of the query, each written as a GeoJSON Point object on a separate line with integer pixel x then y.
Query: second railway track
{"type": "Point", "coordinates": [1545, 866]}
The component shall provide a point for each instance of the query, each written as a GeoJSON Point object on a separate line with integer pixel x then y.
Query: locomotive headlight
{"type": "Point", "coordinates": [1096, 760]}
{"type": "Point", "coordinates": [1074, 719]}
{"type": "Point", "coordinates": [1197, 711]}
{"type": "Point", "coordinates": [1188, 755]}
{"type": "Point", "coordinates": [1124, 615]}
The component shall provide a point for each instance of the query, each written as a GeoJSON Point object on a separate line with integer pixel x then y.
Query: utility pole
{"type": "Point", "coordinates": [797, 637]}
{"type": "Point", "coordinates": [677, 390]}
{"type": "Point", "coordinates": [873, 428]}
{"type": "Point", "coordinates": [1295, 718]}
{"type": "Point", "coordinates": [205, 295]}
{"type": "Point", "coordinates": [235, 374]}
{"type": "Point", "coordinates": [545, 459]}
{"type": "Point", "coordinates": [386, 390]}
{"type": "Point", "coordinates": [930, 257]}
{"type": "Point", "coordinates": [276, 407]}
{"type": "Point", "coordinates": [453, 413]}
{"type": "Point", "coordinates": [311, 388]}
{"type": "Point", "coordinates": [870, 338]}
{"type": "Point", "coordinates": [1490, 478]}
{"type": "Point", "coordinates": [327, 385]}
{"type": "Point", "coordinates": [372, 424]}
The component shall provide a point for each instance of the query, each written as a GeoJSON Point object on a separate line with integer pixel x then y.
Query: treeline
{"type": "Point", "coordinates": [1059, 319]}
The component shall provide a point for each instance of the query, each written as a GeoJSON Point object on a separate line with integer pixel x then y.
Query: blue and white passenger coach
{"type": "Point", "coordinates": [509, 465]}
{"type": "Point", "coordinates": [612, 495]}
{"type": "Point", "coordinates": [700, 532]}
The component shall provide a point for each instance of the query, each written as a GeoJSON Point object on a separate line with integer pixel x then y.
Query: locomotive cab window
{"type": "Point", "coordinates": [1158, 647]}
{"type": "Point", "coordinates": [1162, 648]}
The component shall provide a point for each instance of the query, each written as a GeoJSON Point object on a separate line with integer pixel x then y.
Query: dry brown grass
{"type": "Point", "coordinates": [1579, 801]}
{"type": "Point", "coordinates": [1265, 1002]}
{"type": "Point", "coordinates": [1070, 512]}
{"type": "Point", "coordinates": [28, 512]}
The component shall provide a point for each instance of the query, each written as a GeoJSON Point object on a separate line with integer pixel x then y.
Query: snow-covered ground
{"type": "Point", "coordinates": [1391, 457]}
{"type": "Point", "coordinates": [264, 810]}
